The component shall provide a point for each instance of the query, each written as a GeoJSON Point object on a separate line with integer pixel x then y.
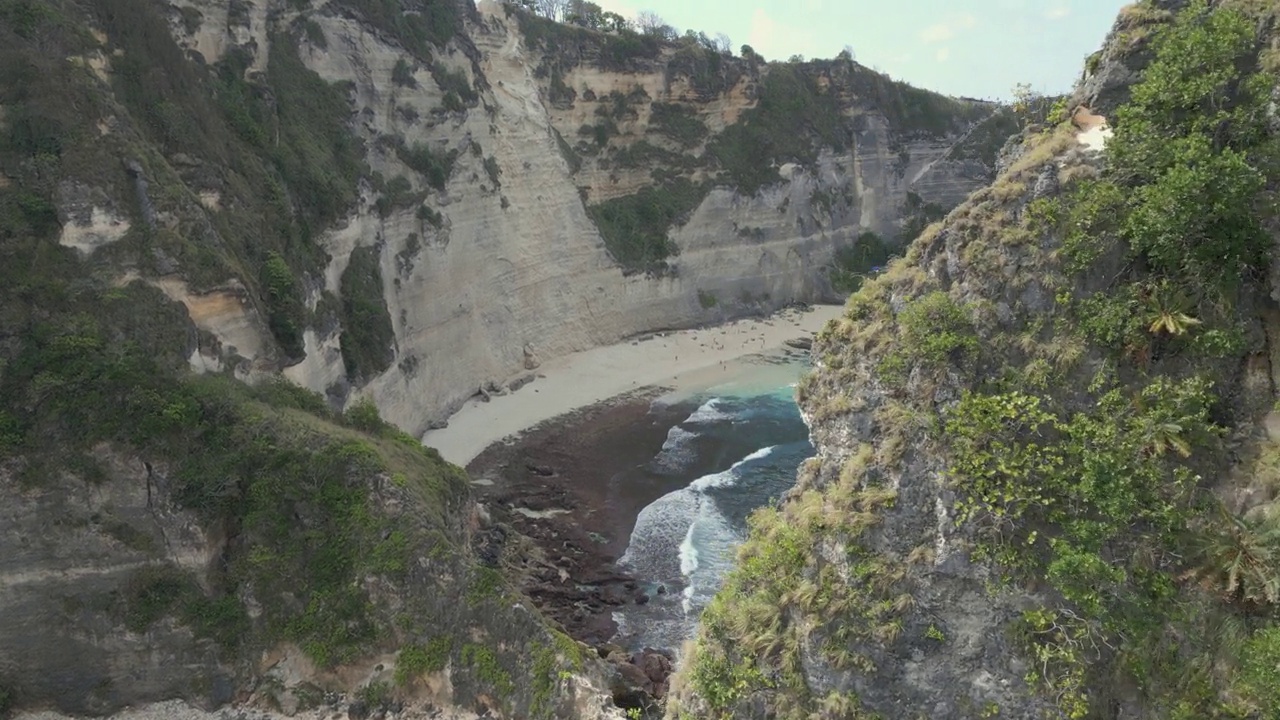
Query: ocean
{"type": "Point", "coordinates": [737, 449]}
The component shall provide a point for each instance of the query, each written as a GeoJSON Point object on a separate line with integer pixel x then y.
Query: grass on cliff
{"type": "Point", "coordinates": [277, 149]}
{"type": "Point", "coordinates": [1095, 483]}
{"type": "Point", "coordinates": [432, 22]}
{"type": "Point", "coordinates": [1066, 492]}
{"type": "Point", "coordinates": [566, 45]}
{"type": "Point", "coordinates": [792, 117]}
{"type": "Point", "coordinates": [782, 596]}
{"type": "Point", "coordinates": [635, 227]}
{"type": "Point", "coordinates": [88, 364]}
{"type": "Point", "coordinates": [367, 341]}
{"type": "Point", "coordinates": [294, 480]}
{"type": "Point", "coordinates": [855, 263]}
{"type": "Point", "coordinates": [324, 515]}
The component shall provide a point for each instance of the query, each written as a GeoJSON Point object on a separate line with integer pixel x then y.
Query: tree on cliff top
{"type": "Point", "coordinates": [650, 23]}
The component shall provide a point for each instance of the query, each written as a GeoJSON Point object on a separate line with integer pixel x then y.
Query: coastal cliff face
{"type": "Point", "coordinates": [391, 206]}
{"type": "Point", "coordinates": [1045, 480]}
{"type": "Point", "coordinates": [542, 189]}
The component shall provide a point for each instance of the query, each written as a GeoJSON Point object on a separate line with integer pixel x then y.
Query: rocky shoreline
{"type": "Point", "coordinates": [569, 490]}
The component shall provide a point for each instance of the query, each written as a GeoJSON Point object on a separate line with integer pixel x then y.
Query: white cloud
{"type": "Point", "coordinates": [775, 40]}
{"type": "Point", "coordinates": [623, 8]}
{"type": "Point", "coordinates": [937, 33]}
{"type": "Point", "coordinates": [943, 54]}
{"type": "Point", "coordinates": [943, 31]}
{"type": "Point", "coordinates": [1057, 12]}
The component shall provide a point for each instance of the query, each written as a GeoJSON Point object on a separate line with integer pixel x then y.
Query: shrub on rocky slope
{"type": "Point", "coordinates": [1044, 483]}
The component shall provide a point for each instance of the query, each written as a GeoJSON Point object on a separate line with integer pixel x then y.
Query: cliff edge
{"type": "Point", "coordinates": [1045, 475]}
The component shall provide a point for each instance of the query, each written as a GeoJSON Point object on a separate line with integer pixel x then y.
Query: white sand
{"type": "Point", "coordinates": [582, 379]}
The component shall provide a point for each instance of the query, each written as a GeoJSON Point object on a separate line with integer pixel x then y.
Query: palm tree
{"type": "Point", "coordinates": [1167, 307]}
{"type": "Point", "coordinates": [1240, 558]}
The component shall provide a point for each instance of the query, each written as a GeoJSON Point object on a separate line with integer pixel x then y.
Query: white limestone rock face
{"type": "Point", "coordinates": [517, 262]}
{"type": "Point", "coordinates": [520, 263]}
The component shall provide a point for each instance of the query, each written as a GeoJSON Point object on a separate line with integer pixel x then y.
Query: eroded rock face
{"type": "Point", "coordinates": [70, 550]}
{"type": "Point", "coordinates": [514, 258]}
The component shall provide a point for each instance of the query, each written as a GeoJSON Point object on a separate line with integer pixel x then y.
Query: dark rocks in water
{"type": "Point", "coordinates": [642, 599]}
{"type": "Point", "coordinates": [630, 687]}
{"type": "Point", "coordinates": [662, 589]}
{"type": "Point", "coordinates": [648, 672]}
{"type": "Point", "coordinates": [604, 650]}
{"type": "Point", "coordinates": [437, 424]}
{"type": "Point", "coordinates": [800, 343]}
{"type": "Point", "coordinates": [543, 470]}
{"type": "Point", "coordinates": [613, 596]}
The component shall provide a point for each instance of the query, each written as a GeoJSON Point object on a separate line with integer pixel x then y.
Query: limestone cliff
{"type": "Point", "coordinates": [1045, 483]}
{"type": "Point", "coordinates": [509, 151]}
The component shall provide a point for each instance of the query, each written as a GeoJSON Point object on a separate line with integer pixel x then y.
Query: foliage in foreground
{"type": "Point", "coordinates": [1097, 483]}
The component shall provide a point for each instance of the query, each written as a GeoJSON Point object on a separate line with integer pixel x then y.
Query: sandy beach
{"type": "Point", "coordinates": [582, 379]}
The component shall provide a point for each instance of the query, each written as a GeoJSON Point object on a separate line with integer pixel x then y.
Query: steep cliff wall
{"type": "Point", "coordinates": [507, 153]}
{"type": "Point", "coordinates": [1045, 477]}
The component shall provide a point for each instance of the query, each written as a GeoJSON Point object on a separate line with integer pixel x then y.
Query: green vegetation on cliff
{"type": "Point", "coordinates": [635, 227]}
{"type": "Point", "coordinates": [854, 264]}
{"type": "Point", "coordinates": [289, 525]}
{"type": "Point", "coordinates": [368, 337]}
{"type": "Point", "coordinates": [1082, 371]}
{"type": "Point", "coordinates": [790, 121]}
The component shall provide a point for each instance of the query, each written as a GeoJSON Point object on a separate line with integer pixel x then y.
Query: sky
{"type": "Point", "coordinates": [974, 48]}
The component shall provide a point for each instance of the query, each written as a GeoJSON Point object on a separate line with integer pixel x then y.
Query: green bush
{"type": "Point", "coordinates": [286, 315]}
{"type": "Point", "coordinates": [433, 22]}
{"type": "Point", "coordinates": [492, 169]}
{"type": "Point", "coordinates": [1258, 678]}
{"type": "Point", "coordinates": [854, 263]}
{"type": "Point", "coordinates": [316, 153]}
{"type": "Point", "coordinates": [482, 663]}
{"type": "Point", "coordinates": [933, 332]}
{"type": "Point", "coordinates": [635, 227]}
{"type": "Point", "coordinates": [1192, 162]}
{"type": "Point", "coordinates": [397, 193]}
{"type": "Point", "coordinates": [434, 167]}
{"type": "Point", "coordinates": [367, 341]}
{"type": "Point", "coordinates": [415, 660]}
{"type": "Point", "coordinates": [791, 118]}
{"type": "Point", "coordinates": [455, 84]}
{"type": "Point", "coordinates": [402, 74]}
{"type": "Point", "coordinates": [679, 123]}
{"type": "Point", "coordinates": [153, 592]}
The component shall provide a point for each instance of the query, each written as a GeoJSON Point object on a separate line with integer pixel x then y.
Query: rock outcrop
{"type": "Point", "coordinates": [992, 526]}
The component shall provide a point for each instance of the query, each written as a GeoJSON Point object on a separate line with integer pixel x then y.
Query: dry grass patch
{"type": "Point", "coordinates": [1143, 13]}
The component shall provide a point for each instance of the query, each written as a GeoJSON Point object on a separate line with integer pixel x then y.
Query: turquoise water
{"type": "Point", "coordinates": [737, 449]}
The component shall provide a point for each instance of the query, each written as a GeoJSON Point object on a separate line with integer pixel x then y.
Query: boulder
{"type": "Point", "coordinates": [520, 382]}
